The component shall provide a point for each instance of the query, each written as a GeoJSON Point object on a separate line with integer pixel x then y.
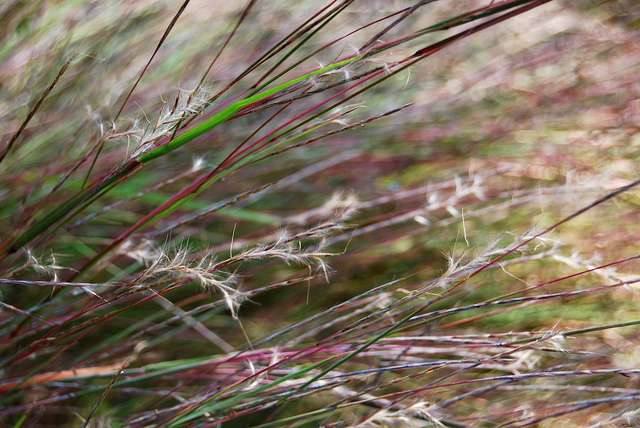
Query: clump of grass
{"type": "Point", "coordinates": [334, 213]}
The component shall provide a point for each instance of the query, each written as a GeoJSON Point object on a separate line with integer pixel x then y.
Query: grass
{"type": "Point", "coordinates": [332, 213]}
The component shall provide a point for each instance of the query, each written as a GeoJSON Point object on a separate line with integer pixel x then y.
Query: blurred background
{"type": "Point", "coordinates": [499, 136]}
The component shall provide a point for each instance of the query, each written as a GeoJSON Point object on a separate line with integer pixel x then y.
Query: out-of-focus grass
{"type": "Point", "coordinates": [234, 305]}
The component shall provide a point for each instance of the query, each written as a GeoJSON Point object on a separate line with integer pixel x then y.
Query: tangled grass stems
{"type": "Point", "coordinates": [351, 266]}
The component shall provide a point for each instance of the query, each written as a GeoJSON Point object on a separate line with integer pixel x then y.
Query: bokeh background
{"type": "Point", "coordinates": [311, 252]}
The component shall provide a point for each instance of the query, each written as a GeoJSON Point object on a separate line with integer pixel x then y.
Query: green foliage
{"type": "Point", "coordinates": [340, 213]}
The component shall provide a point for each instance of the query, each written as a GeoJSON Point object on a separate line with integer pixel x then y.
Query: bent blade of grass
{"type": "Point", "coordinates": [90, 194]}
{"type": "Point", "coordinates": [228, 112]}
